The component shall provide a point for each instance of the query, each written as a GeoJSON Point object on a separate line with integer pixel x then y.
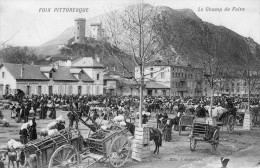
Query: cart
{"type": "Point", "coordinates": [202, 131]}
{"type": "Point", "coordinates": [185, 121]}
{"type": "Point", "coordinates": [69, 149]}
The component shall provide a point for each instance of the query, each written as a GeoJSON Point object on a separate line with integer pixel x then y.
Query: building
{"type": "Point", "coordinates": [163, 79]}
{"type": "Point", "coordinates": [84, 76]}
{"type": "Point", "coordinates": [119, 84]}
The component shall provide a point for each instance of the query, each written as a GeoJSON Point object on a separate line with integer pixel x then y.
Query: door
{"type": "Point", "coordinates": [149, 92]}
{"type": "Point", "coordinates": [164, 92]}
{"type": "Point", "coordinates": [79, 90]}
{"type": "Point", "coordinates": [7, 90]}
{"type": "Point", "coordinates": [28, 90]}
{"type": "Point", "coordinates": [50, 90]}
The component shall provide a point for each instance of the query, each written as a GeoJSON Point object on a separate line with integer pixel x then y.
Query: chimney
{"type": "Point", "coordinates": [22, 71]}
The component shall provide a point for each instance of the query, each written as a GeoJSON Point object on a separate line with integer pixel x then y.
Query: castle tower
{"type": "Point", "coordinates": [96, 31]}
{"type": "Point", "coordinates": [80, 30]}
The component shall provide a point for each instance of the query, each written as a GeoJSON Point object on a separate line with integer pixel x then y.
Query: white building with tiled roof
{"type": "Point", "coordinates": [84, 76]}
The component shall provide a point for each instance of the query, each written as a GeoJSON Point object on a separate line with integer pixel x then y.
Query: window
{"type": "Point", "coordinates": [77, 37]}
{"type": "Point", "coordinates": [238, 89]}
{"type": "Point", "coordinates": [97, 76]}
{"type": "Point", "coordinates": [155, 91]}
{"type": "Point", "coordinates": [237, 84]}
{"type": "Point", "coordinates": [3, 74]}
{"type": "Point", "coordinates": [172, 75]}
{"type": "Point", "coordinates": [162, 74]}
{"type": "Point", "coordinates": [78, 27]}
{"type": "Point", "coordinates": [151, 75]}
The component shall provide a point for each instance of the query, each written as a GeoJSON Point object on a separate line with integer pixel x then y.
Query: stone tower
{"type": "Point", "coordinates": [80, 30]}
{"type": "Point", "coordinates": [96, 31]}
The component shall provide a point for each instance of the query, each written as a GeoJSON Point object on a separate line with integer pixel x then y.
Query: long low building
{"type": "Point", "coordinates": [84, 76]}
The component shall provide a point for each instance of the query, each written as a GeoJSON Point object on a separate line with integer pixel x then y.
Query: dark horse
{"type": "Point", "coordinates": [155, 135]}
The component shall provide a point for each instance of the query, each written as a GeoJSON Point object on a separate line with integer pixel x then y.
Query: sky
{"type": "Point", "coordinates": [23, 22]}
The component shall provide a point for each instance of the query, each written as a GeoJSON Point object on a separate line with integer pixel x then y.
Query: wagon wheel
{"type": "Point", "coordinates": [119, 151]}
{"type": "Point", "coordinates": [231, 123]}
{"type": "Point", "coordinates": [215, 140]}
{"type": "Point", "coordinates": [193, 143]}
{"type": "Point", "coordinates": [65, 156]}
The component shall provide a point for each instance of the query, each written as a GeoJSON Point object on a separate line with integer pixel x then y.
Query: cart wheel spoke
{"type": "Point", "coordinates": [57, 160]}
{"type": "Point", "coordinates": [68, 155]}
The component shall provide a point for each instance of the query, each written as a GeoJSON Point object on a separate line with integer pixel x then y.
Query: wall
{"type": "Point", "coordinates": [7, 80]}
{"type": "Point", "coordinates": [98, 84]}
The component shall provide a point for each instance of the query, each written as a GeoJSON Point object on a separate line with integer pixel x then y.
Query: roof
{"type": "Point", "coordinates": [86, 78]}
{"type": "Point", "coordinates": [108, 77]}
{"type": "Point", "coordinates": [33, 72]}
{"type": "Point", "coordinates": [86, 62]}
{"type": "Point", "coordinates": [30, 71]}
{"type": "Point", "coordinates": [155, 85]}
{"type": "Point", "coordinates": [63, 74]}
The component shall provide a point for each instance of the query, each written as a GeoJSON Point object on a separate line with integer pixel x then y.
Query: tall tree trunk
{"type": "Point", "coordinates": [211, 101]}
{"type": "Point", "coordinates": [141, 97]}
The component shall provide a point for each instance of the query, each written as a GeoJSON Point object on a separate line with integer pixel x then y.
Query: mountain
{"type": "Point", "coordinates": [188, 31]}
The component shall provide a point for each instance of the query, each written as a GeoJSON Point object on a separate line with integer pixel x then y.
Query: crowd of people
{"type": "Point", "coordinates": [107, 107]}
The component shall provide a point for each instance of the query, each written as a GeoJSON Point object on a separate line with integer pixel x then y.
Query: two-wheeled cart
{"type": "Point", "coordinates": [202, 131]}
{"type": "Point", "coordinates": [68, 149]}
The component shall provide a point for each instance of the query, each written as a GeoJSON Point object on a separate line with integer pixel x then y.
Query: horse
{"type": "Point", "coordinates": [155, 135]}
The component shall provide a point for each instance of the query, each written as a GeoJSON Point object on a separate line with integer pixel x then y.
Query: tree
{"type": "Point", "coordinates": [132, 32]}
{"type": "Point", "coordinates": [18, 55]}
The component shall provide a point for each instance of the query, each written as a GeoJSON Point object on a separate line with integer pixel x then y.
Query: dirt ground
{"type": "Point", "coordinates": [240, 144]}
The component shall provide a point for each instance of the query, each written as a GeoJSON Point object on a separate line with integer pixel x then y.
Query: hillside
{"type": "Point", "coordinates": [188, 29]}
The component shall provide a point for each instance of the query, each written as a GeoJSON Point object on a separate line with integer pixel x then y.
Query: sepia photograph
{"type": "Point", "coordinates": [129, 84]}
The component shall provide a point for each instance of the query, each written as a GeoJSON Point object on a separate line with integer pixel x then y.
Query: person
{"type": "Point", "coordinates": [72, 117]}
{"type": "Point", "coordinates": [13, 114]}
{"type": "Point", "coordinates": [32, 130]}
{"type": "Point", "coordinates": [18, 116]}
{"type": "Point", "coordinates": [201, 112]}
{"type": "Point", "coordinates": [167, 131]}
{"type": "Point", "coordinates": [1, 115]}
{"type": "Point", "coordinates": [53, 112]}
{"type": "Point", "coordinates": [145, 119]}
{"type": "Point", "coordinates": [24, 133]}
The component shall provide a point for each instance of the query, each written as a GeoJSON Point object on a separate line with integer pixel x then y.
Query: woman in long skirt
{"type": "Point", "coordinates": [167, 131]}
